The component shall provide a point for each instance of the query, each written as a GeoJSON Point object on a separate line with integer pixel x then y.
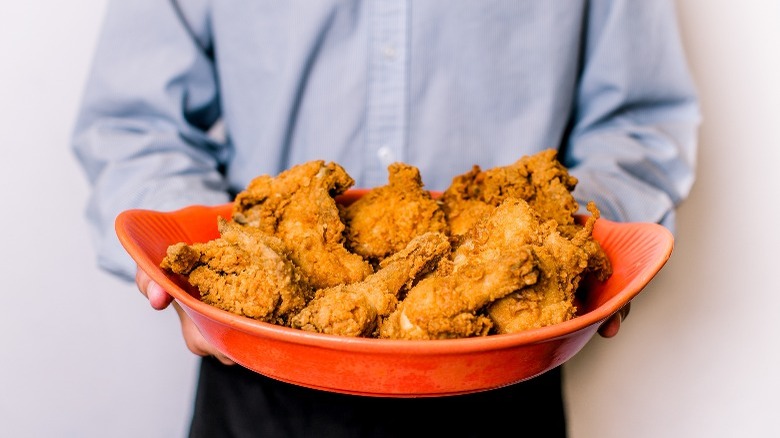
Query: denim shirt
{"type": "Point", "coordinates": [439, 84]}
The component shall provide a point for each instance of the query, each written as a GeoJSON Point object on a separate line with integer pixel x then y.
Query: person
{"type": "Point", "coordinates": [188, 101]}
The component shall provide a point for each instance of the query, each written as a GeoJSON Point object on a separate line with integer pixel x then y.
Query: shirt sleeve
{"type": "Point", "coordinates": [141, 133]}
{"type": "Point", "coordinates": [634, 129]}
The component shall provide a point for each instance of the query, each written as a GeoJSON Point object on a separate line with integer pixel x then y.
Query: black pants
{"type": "Point", "coordinates": [233, 401]}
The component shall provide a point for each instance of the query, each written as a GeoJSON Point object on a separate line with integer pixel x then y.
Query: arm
{"type": "Point", "coordinates": [633, 142]}
{"type": "Point", "coordinates": [634, 133]}
{"type": "Point", "coordinates": [141, 133]}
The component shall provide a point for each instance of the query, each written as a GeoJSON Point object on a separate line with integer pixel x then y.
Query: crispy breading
{"type": "Point", "coordinates": [299, 207]}
{"type": "Point", "coordinates": [244, 271]}
{"type": "Point", "coordinates": [539, 179]}
{"type": "Point", "coordinates": [355, 309]}
{"type": "Point", "coordinates": [563, 262]}
{"type": "Point", "coordinates": [501, 252]}
{"type": "Point", "coordinates": [494, 259]}
{"type": "Point", "coordinates": [387, 218]}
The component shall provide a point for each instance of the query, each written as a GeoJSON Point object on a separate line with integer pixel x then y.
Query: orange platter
{"type": "Point", "coordinates": [394, 368]}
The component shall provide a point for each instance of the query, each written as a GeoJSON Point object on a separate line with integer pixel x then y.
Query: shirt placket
{"type": "Point", "coordinates": [387, 94]}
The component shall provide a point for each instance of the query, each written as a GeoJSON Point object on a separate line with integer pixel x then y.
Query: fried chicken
{"type": "Point", "coordinates": [582, 235]}
{"type": "Point", "coordinates": [539, 179]}
{"type": "Point", "coordinates": [299, 207]}
{"type": "Point", "coordinates": [244, 271]}
{"type": "Point", "coordinates": [387, 218]}
{"type": "Point", "coordinates": [563, 262]}
{"type": "Point", "coordinates": [495, 259]}
{"type": "Point", "coordinates": [500, 252]}
{"type": "Point", "coordinates": [567, 253]}
{"type": "Point", "coordinates": [355, 309]}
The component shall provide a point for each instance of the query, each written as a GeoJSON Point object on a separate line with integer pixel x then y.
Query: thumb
{"type": "Point", "coordinates": [157, 296]}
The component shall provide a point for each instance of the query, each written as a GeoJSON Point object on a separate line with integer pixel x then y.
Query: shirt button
{"type": "Point", "coordinates": [386, 156]}
{"type": "Point", "coordinates": [389, 52]}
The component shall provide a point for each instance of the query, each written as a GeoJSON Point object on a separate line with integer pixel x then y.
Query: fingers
{"type": "Point", "coordinates": [142, 280]}
{"type": "Point", "coordinates": [624, 311]}
{"type": "Point", "coordinates": [158, 298]}
{"type": "Point", "coordinates": [611, 326]}
{"type": "Point", "coordinates": [195, 340]}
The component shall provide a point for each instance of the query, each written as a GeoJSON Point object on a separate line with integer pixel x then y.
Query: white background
{"type": "Point", "coordinates": [83, 355]}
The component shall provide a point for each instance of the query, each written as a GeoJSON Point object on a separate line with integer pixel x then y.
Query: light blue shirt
{"type": "Point", "coordinates": [439, 84]}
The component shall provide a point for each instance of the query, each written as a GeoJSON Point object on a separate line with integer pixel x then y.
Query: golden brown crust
{"type": "Point", "coordinates": [539, 179]}
{"type": "Point", "coordinates": [387, 218]}
{"type": "Point", "coordinates": [356, 309]}
{"type": "Point", "coordinates": [500, 252]}
{"type": "Point", "coordinates": [494, 260]}
{"type": "Point", "coordinates": [244, 271]}
{"type": "Point", "coordinates": [299, 207]}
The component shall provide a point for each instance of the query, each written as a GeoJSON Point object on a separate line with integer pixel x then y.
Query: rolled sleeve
{"type": "Point", "coordinates": [141, 133]}
{"type": "Point", "coordinates": [634, 138]}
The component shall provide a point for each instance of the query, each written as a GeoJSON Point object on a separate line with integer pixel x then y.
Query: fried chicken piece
{"type": "Point", "coordinates": [387, 218]}
{"type": "Point", "coordinates": [582, 235]}
{"type": "Point", "coordinates": [563, 261]}
{"type": "Point", "coordinates": [243, 271]}
{"type": "Point", "coordinates": [495, 259]}
{"type": "Point", "coordinates": [355, 309]}
{"type": "Point", "coordinates": [539, 179]}
{"type": "Point", "coordinates": [299, 207]}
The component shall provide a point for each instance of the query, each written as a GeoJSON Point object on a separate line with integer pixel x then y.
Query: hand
{"type": "Point", "coordinates": [611, 326]}
{"type": "Point", "coordinates": [160, 299]}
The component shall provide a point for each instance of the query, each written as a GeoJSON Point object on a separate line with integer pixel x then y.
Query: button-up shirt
{"type": "Point", "coordinates": [439, 84]}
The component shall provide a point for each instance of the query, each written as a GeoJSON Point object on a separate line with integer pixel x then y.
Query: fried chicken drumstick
{"type": "Point", "coordinates": [355, 309]}
{"type": "Point", "coordinates": [494, 260]}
